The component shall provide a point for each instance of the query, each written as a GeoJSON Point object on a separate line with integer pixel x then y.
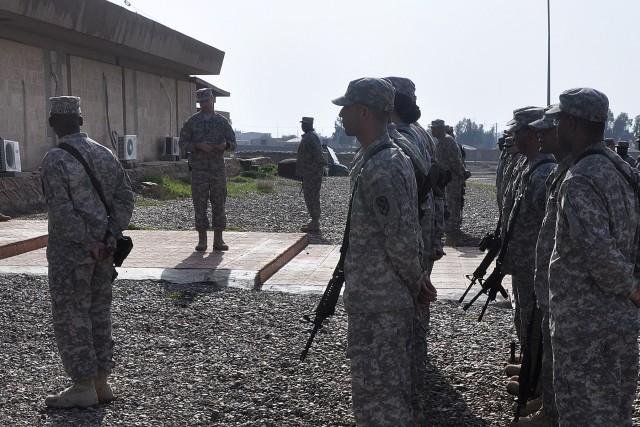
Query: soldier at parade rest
{"type": "Point", "coordinates": [310, 164]}
{"type": "Point", "coordinates": [82, 240]}
{"type": "Point", "coordinates": [383, 275]}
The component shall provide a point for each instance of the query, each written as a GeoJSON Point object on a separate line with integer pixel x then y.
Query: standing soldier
{"type": "Point", "coordinates": [622, 148]}
{"type": "Point", "coordinates": [529, 193]}
{"type": "Point", "coordinates": [593, 286]}
{"type": "Point", "coordinates": [82, 239]}
{"type": "Point", "coordinates": [610, 143]}
{"type": "Point", "coordinates": [205, 136]}
{"type": "Point", "coordinates": [450, 158]}
{"type": "Point", "coordinates": [310, 165]}
{"type": "Point", "coordinates": [502, 164]}
{"type": "Point", "coordinates": [383, 275]}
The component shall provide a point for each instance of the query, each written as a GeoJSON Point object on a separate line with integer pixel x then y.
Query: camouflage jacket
{"type": "Point", "coordinates": [382, 264]}
{"type": "Point", "coordinates": [215, 130]}
{"type": "Point", "coordinates": [546, 237]}
{"type": "Point", "coordinates": [78, 219]}
{"type": "Point", "coordinates": [311, 160]}
{"type": "Point", "coordinates": [450, 157]}
{"type": "Point", "coordinates": [531, 198]}
{"type": "Point", "coordinates": [592, 267]}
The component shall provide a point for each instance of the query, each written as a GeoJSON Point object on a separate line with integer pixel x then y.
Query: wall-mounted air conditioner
{"type": "Point", "coordinates": [171, 146]}
{"type": "Point", "coordinates": [128, 147]}
{"type": "Point", "coordinates": [9, 156]}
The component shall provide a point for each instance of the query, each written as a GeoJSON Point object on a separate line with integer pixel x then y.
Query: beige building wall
{"type": "Point", "coordinates": [23, 101]}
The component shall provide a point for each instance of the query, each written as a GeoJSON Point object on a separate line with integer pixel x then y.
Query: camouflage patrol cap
{"type": "Point", "coordinates": [403, 86]}
{"type": "Point", "coordinates": [508, 141]}
{"type": "Point", "coordinates": [524, 117]}
{"type": "Point", "coordinates": [65, 105]}
{"type": "Point", "coordinates": [609, 141]}
{"type": "Point", "coordinates": [517, 110]}
{"type": "Point", "coordinates": [371, 92]}
{"type": "Point", "coordinates": [307, 120]}
{"type": "Point", "coordinates": [437, 123]}
{"type": "Point", "coordinates": [623, 144]}
{"type": "Point", "coordinates": [546, 122]}
{"type": "Point", "coordinates": [583, 102]}
{"type": "Point", "coordinates": [204, 94]}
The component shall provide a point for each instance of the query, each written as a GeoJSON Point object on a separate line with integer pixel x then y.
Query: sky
{"type": "Point", "coordinates": [477, 59]}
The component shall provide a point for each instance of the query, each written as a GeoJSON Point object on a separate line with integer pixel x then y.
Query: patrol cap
{"type": "Point", "coordinates": [583, 102]}
{"type": "Point", "coordinates": [403, 86]}
{"type": "Point", "coordinates": [546, 122]}
{"type": "Point", "coordinates": [437, 123]}
{"type": "Point", "coordinates": [508, 141]}
{"type": "Point", "coordinates": [524, 117]}
{"type": "Point", "coordinates": [517, 110]}
{"type": "Point", "coordinates": [623, 144]}
{"type": "Point", "coordinates": [65, 105]}
{"type": "Point", "coordinates": [609, 141]}
{"type": "Point", "coordinates": [307, 120]}
{"type": "Point", "coordinates": [204, 94]}
{"type": "Point", "coordinates": [374, 93]}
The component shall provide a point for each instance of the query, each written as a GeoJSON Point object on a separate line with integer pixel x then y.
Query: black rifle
{"type": "Point", "coordinates": [531, 361]}
{"type": "Point", "coordinates": [493, 284]}
{"type": "Point", "coordinates": [492, 243]}
{"type": "Point", "coordinates": [327, 305]}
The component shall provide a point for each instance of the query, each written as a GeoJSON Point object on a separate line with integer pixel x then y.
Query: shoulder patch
{"type": "Point", "coordinates": [385, 207]}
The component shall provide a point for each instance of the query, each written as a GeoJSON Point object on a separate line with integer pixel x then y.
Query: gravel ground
{"type": "Point", "coordinates": [197, 355]}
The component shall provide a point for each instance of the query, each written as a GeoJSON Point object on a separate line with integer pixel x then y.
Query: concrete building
{"type": "Point", "coordinates": [134, 75]}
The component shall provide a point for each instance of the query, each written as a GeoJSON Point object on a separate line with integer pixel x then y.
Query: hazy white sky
{"type": "Point", "coordinates": [479, 59]}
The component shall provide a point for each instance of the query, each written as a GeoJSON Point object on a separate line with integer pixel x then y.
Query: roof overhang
{"type": "Point", "coordinates": [200, 84]}
{"type": "Point", "coordinates": [104, 31]}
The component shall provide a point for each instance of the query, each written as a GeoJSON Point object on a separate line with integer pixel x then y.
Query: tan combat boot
{"type": "Point", "coordinates": [530, 408]}
{"type": "Point", "coordinates": [103, 388]}
{"type": "Point", "coordinates": [513, 386]}
{"type": "Point", "coordinates": [81, 394]}
{"type": "Point", "coordinates": [218, 243]}
{"type": "Point", "coordinates": [202, 241]}
{"type": "Point", "coordinates": [312, 227]}
{"type": "Point", "coordinates": [4, 217]}
{"type": "Point", "coordinates": [512, 369]}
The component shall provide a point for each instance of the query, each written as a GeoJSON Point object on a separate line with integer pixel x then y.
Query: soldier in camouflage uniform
{"type": "Point", "coordinates": [593, 289]}
{"type": "Point", "coordinates": [310, 165]}
{"type": "Point", "coordinates": [405, 113]}
{"type": "Point", "coordinates": [529, 192]}
{"type": "Point", "coordinates": [610, 143]}
{"type": "Point", "coordinates": [547, 138]}
{"type": "Point", "coordinates": [206, 135]}
{"type": "Point", "coordinates": [450, 158]}
{"type": "Point", "coordinates": [82, 239]}
{"type": "Point", "coordinates": [513, 160]}
{"type": "Point", "coordinates": [622, 148]}
{"type": "Point", "coordinates": [502, 164]}
{"type": "Point", "coordinates": [383, 275]}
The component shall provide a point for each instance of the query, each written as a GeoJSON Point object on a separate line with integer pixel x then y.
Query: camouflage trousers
{"type": "Point", "coordinates": [209, 188]}
{"type": "Point", "coordinates": [379, 349]}
{"type": "Point", "coordinates": [453, 196]}
{"type": "Point", "coordinates": [81, 310]}
{"type": "Point", "coordinates": [595, 377]}
{"type": "Point", "coordinates": [419, 353]}
{"type": "Point", "coordinates": [523, 293]}
{"type": "Point", "coordinates": [311, 191]}
{"type": "Point", "coordinates": [546, 375]}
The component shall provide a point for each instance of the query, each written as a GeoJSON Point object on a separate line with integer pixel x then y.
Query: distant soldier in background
{"type": "Point", "coordinates": [206, 135]}
{"type": "Point", "coordinates": [450, 157]}
{"type": "Point", "coordinates": [622, 148]}
{"type": "Point", "coordinates": [310, 164]}
{"type": "Point", "coordinates": [610, 143]}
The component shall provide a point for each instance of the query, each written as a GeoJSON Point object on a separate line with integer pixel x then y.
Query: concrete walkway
{"type": "Point", "coordinates": [282, 262]}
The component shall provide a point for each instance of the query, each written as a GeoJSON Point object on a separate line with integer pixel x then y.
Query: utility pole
{"type": "Point", "coordinates": [548, 53]}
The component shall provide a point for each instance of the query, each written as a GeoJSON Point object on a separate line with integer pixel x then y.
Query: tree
{"type": "Point", "coordinates": [340, 137]}
{"type": "Point", "coordinates": [636, 128]}
{"type": "Point", "coordinates": [621, 128]}
{"type": "Point", "coordinates": [470, 133]}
